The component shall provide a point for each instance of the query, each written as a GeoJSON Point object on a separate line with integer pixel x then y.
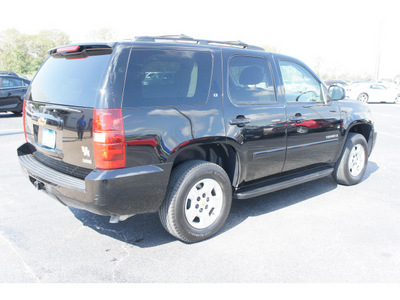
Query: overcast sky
{"type": "Point", "coordinates": [343, 36]}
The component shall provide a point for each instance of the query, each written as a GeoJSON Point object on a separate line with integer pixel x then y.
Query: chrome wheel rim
{"type": "Point", "coordinates": [363, 98]}
{"type": "Point", "coordinates": [204, 203]}
{"type": "Point", "coordinates": [356, 160]}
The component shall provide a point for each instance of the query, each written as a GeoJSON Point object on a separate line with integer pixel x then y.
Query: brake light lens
{"type": "Point", "coordinates": [108, 139]}
{"type": "Point", "coordinates": [67, 49]}
{"type": "Point", "coordinates": [23, 119]}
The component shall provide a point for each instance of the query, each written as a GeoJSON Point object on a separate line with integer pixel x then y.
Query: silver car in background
{"type": "Point", "coordinates": [374, 92]}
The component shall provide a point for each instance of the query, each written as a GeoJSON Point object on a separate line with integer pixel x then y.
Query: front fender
{"type": "Point", "coordinates": [357, 117]}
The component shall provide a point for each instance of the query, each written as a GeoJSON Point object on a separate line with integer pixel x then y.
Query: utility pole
{"type": "Point", "coordinates": [378, 58]}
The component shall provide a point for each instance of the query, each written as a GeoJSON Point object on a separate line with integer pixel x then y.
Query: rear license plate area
{"type": "Point", "coordinates": [49, 138]}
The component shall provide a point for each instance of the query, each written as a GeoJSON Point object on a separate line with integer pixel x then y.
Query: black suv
{"type": "Point", "coordinates": [12, 92]}
{"type": "Point", "coordinates": [181, 126]}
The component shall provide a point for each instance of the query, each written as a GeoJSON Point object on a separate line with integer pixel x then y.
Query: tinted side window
{"type": "Point", "coordinates": [250, 81]}
{"type": "Point", "coordinates": [12, 82]}
{"type": "Point", "coordinates": [167, 78]}
{"type": "Point", "coordinates": [300, 85]}
{"type": "Point", "coordinates": [378, 87]}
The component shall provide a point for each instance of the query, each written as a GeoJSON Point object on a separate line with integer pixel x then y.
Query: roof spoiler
{"type": "Point", "coordinates": [80, 51]}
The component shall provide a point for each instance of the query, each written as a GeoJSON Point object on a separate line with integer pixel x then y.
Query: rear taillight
{"type": "Point", "coordinates": [23, 119]}
{"type": "Point", "coordinates": [108, 139]}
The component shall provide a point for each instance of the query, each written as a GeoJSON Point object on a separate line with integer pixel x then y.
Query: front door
{"type": "Point", "coordinates": [313, 122]}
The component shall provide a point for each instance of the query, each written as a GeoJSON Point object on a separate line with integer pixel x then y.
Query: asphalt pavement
{"type": "Point", "coordinates": [318, 232]}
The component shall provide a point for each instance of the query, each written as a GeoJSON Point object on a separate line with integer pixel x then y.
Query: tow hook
{"type": "Point", "coordinates": [38, 185]}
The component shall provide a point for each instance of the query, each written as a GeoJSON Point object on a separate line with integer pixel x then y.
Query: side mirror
{"type": "Point", "coordinates": [336, 92]}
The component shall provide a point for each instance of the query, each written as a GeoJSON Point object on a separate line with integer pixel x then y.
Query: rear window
{"type": "Point", "coordinates": [167, 78]}
{"type": "Point", "coordinates": [74, 82]}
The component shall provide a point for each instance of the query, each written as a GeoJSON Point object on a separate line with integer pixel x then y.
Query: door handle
{"type": "Point", "coordinates": [239, 121]}
{"type": "Point", "coordinates": [297, 117]}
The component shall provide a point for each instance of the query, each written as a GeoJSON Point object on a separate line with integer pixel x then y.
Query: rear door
{"type": "Point", "coordinates": [313, 122]}
{"type": "Point", "coordinates": [59, 108]}
{"type": "Point", "coordinates": [255, 120]}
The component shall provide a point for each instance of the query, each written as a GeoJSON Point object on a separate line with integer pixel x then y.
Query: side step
{"type": "Point", "coordinates": [270, 186]}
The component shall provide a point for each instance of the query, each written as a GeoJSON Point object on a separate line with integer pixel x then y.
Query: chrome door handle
{"type": "Point", "coordinates": [297, 117]}
{"type": "Point", "coordinates": [239, 121]}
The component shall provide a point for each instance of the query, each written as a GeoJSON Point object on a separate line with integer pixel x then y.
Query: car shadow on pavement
{"type": "Point", "coordinates": [243, 209]}
{"type": "Point", "coordinates": [372, 167]}
{"type": "Point", "coordinates": [146, 231]}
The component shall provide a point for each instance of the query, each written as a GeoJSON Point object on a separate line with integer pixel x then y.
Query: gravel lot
{"type": "Point", "coordinates": [317, 232]}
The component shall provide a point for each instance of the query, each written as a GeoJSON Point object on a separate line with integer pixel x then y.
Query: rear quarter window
{"type": "Point", "coordinates": [75, 82]}
{"type": "Point", "coordinates": [167, 78]}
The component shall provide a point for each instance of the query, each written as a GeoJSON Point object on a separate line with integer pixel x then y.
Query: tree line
{"type": "Point", "coordinates": [24, 53]}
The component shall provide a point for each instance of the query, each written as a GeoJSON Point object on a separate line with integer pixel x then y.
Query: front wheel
{"type": "Point", "coordinates": [352, 164]}
{"type": "Point", "coordinates": [197, 202]}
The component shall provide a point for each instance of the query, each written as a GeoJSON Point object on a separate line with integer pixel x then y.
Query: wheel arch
{"type": "Point", "coordinates": [366, 130]}
{"type": "Point", "coordinates": [361, 128]}
{"type": "Point", "coordinates": [219, 153]}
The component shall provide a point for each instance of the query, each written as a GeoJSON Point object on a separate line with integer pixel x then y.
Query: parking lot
{"type": "Point", "coordinates": [318, 232]}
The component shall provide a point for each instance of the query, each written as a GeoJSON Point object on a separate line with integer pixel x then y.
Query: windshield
{"type": "Point", "coordinates": [74, 82]}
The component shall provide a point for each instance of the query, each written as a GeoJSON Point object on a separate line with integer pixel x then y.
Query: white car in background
{"type": "Point", "coordinates": [373, 92]}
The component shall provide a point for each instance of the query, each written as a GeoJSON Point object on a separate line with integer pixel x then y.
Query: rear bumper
{"type": "Point", "coordinates": [118, 192]}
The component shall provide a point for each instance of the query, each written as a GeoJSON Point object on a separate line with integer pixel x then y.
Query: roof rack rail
{"type": "Point", "coordinates": [187, 39]}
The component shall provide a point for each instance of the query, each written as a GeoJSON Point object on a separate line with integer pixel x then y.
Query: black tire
{"type": "Point", "coordinates": [197, 202]}
{"type": "Point", "coordinates": [351, 166]}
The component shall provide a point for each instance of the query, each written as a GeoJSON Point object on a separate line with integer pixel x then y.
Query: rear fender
{"type": "Point", "coordinates": [215, 152]}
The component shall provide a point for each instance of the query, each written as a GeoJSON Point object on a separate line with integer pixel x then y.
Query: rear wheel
{"type": "Point", "coordinates": [352, 164]}
{"type": "Point", "coordinates": [197, 202]}
{"type": "Point", "coordinates": [363, 97]}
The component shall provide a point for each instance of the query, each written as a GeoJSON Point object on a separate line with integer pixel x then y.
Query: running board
{"type": "Point", "coordinates": [270, 186]}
